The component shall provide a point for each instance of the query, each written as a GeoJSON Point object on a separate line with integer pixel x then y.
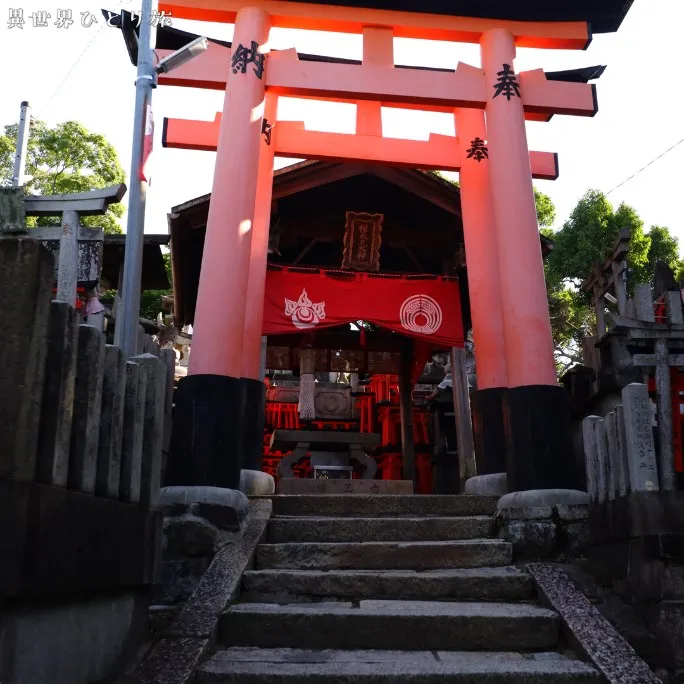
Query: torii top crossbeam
{"type": "Point", "coordinates": [560, 24]}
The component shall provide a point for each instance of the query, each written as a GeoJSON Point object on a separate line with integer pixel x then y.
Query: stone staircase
{"type": "Point", "coordinates": [388, 589]}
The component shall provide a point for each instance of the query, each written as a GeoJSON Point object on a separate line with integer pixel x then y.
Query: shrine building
{"type": "Point", "coordinates": [337, 229]}
{"type": "Point", "coordinates": [366, 232]}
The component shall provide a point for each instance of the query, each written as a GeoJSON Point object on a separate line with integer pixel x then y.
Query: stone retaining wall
{"type": "Point", "coordinates": [544, 523]}
{"type": "Point", "coordinates": [80, 473]}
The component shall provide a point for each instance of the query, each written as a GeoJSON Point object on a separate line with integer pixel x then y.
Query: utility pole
{"type": "Point", "coordinates": [126, 329]}
{"type": "Point", "coordinates": [22, 145]}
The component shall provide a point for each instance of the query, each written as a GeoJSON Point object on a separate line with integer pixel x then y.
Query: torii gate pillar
{"type": "Point", "coordinates": [482, 261]}
{"type": "Point", "coordinates": [252, 371]}
{"type": "Point", "coordinates": [536, 408]}
{"type": "Point", "coordinates": [207, 441]}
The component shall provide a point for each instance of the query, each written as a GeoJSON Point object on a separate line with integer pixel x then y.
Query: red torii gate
{"type": "Point", "coordinates": [511, 324]}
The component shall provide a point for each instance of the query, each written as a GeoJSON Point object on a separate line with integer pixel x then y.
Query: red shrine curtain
{"type": "Point", "coordinates": [426, 308]}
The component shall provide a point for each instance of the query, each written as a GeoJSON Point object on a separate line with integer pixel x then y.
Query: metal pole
{"type": "Point", "coordinates": [126, 330]}
{"type": "Point", "coordinates": [22, 145]}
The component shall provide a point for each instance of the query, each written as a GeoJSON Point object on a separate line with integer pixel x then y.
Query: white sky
{"type": "Point", "coordinates": [641, 100]}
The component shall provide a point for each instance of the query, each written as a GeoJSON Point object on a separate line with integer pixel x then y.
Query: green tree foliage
{"type": "Point", "coordinates": [587, 237]}
{"type": "Point", "coordinates": [62, 159]}
{"type": "Point", "coordinates": [546, 210]}
{"type": "Point", "coordinates": [443, 176]}
{"type": "Point", "coordinates": [664, 247]}
{"type": "Point", "coordinates": [584, 240]}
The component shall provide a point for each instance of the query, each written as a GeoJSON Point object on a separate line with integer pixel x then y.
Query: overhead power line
{"type": "Point", "coordinates": [71, 70]}
{"type": "Point", "coordinates": [669, 149]}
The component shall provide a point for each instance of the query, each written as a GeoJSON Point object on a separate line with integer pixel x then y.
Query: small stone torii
{"type": "Point", "coordinates": [644, 331]}
{"type": "Point", "coordinates": [80, 247]}
{"type": "Point", "coordinates": [634, 330]}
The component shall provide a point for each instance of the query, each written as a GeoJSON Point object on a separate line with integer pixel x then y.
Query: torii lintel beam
{"type": "Point", "coordinates": [340, 19]}
{"type": "Point", "coordinates": [291, 139]}
{"type": "Point", "coordinates": [287, 75]}
{"type": "Point", "coordinates": [88, 203]}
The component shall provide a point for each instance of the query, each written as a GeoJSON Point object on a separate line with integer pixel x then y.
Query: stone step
{"type": "Point", "coordinates": [293, 666]}
{"type": "Point", "coordinates": [488, 584]}
{"type": "Point", "coordinates": [362, 505]}
{"type": "Point", "coordinates": [385, 555]}
{"type": "Point", "coordinates": [393, 625]}
{"type": "Point", "coordinates": [347, 529]}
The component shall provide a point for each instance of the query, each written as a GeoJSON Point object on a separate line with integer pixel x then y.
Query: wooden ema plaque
{"type": "Point", "coordinates": [362, 240]}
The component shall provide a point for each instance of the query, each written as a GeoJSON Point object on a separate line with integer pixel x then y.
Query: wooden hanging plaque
{"type": "Point", "coordinates": [362, 240]}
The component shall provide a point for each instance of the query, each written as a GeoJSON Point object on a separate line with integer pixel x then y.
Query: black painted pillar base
{"type": "Point", "coordinates": [253, 424]}
{"type": "Point", "coordinates": [489, 436]}
{"type": "Point", "coordinates": [539, 451]}
{"type": "Point", "coordinates": [206, 436]}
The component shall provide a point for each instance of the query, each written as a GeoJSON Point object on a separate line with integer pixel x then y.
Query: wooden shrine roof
{"type": "Point", "coordinates": [422, 229]}
{"type": "Point", "coordinates": [169, 38]}
{"type": "Point", "coordinates": [603, 16]}
{"type": "Point", "coordinates": [153, 275]}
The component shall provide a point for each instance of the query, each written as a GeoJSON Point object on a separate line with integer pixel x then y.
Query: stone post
{"type": "Point", "coordinates": [54, 439]}
{"type": "Point", "coordinates": [12, 214]}
{"type": "Point", "coordinates": [67, 274]}
{"type": "Point", "coordinates": [591, 455]}
{"type": "Point", "coordinates": [132, 441]}
{"type": "Point", "coordinates": [153, 427]}
{"type": "Point", "coordinates": [25, 293]}
{"type": "Point", "coordinates": [640, 446]}
{"type": "Point", "coordinates": [85, 429]}
{"type": "Point", "coordinates": [111, 423]}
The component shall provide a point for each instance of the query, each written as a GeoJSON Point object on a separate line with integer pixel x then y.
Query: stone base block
{"type": "Point", "coordinates": [572, 502]}
{"type": "Point", "coordinates": [544, 523]}
{"type": "Point", "coordinates": [538, 431]}
{"type": "Point", "coordinates": [207, 432]}
{"type": "Point", "coordinates": [495, 484]}
{"type": "Point", "coordinates": [256, 483]}
{"type": "Point", "coordinates": [489, 433]}
{"type": "Point", "coordinates": [224, 508]}
{"type": "Point", "coordinates": [253, 424]}
{"type": "Point", "coordinates": [531, 538]}
{"type": "Point", "coordinates": [198, 522]}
